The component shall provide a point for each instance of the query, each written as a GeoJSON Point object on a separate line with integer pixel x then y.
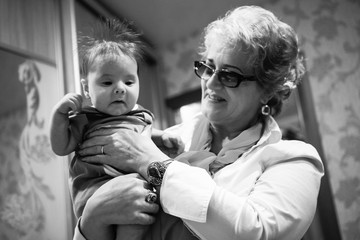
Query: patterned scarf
{"type": "Point", "coordinates": [199, 153]}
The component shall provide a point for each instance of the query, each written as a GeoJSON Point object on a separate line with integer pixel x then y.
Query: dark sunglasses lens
{"type": "Point", "coordinates": [229, 79]}
{"type": "Point", "coordinates": [204, 71]}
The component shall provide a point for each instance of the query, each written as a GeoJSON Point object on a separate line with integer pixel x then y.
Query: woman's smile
{"type": "Point", "coordinates": [212, 97]}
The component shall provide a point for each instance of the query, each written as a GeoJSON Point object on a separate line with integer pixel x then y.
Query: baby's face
{"type": "Point", "coordinates": [113, 84]}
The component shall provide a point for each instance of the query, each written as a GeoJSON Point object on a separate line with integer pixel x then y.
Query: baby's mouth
{"type": "Point", "coordinates": [118, 102]}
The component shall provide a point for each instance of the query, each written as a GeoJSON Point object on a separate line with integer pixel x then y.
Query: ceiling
{"type": "Point", "coordinates": [164, 21]}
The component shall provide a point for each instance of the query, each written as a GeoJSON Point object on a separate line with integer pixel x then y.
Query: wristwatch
{"type": "Point", "coordinates": [156, 171]}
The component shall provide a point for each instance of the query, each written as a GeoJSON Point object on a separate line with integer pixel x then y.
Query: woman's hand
{"type": "Point", "coordinates": [122, 149]}
{"type": "Point", "coordinates": [119, 201]}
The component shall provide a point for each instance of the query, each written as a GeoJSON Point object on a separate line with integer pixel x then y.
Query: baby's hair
{"type": "Point", "coordinates": [110, 37]}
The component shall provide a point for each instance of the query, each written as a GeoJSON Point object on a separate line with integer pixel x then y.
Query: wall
{"type": "Point", "coordinates": [329, 32]}
{"type": "Point", "coordinates": [34, 200]}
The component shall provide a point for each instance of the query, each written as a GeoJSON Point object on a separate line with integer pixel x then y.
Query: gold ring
{"type": "Point", "coordinates": [151, 197]}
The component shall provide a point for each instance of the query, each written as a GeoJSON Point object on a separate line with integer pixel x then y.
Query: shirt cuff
{"type": "Point", "coordinates": [186, 192]}
{"type": "Point", "coordinates": [77, 232]}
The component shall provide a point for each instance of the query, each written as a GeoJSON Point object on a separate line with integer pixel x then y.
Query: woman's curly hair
{"type": "Point", "coordinates": [271, 43]}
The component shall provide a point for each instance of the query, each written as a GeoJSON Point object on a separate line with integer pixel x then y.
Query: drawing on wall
{"type": "Point", "coordinates": [25, 154]}
{"type": "Point", "coordinates": [29, 75]}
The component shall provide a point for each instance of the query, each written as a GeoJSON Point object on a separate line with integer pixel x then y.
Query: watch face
{"type": "Point", "coordinates": [155, 173]}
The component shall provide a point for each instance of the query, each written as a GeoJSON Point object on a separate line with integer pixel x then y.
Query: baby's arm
{"type": "Point", "coordinates": [169, 143]}
{"type": "Point", "coordinates": [62, 140]}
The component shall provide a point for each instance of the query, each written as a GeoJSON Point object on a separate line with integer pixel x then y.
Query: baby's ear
{"type": "Point", "coordinates": [85, 87]}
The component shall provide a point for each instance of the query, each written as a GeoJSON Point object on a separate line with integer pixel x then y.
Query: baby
{"type": "Point", "coordinates": [109, 66]}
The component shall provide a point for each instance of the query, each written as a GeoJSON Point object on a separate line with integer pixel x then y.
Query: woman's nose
{"type": "Point", "coordinates": [213, 82]}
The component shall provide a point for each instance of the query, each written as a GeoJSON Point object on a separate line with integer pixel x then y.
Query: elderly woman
{"type": "Point", "coordinates": [236, 179]}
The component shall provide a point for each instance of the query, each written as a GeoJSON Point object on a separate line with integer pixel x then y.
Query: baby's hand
{"type": "Point", "coordinates": [71, 102]}
{"type": "Point", "coordinates": [172, 144]}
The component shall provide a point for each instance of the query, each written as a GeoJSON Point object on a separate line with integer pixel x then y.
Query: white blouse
{"type": "Point", "coordinates": [269, 192]}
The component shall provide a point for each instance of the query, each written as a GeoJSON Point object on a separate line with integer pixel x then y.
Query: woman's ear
{"type": "Point", "coordinates": [266, 98]}
{"type": "Point", "coordinates": [85, 87]}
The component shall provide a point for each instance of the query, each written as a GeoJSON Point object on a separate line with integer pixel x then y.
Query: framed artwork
{"type": "Point", "coordinates": [34, 201]}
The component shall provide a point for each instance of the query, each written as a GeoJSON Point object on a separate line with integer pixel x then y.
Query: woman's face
{"type": "Point", "coordinates": [234, 109]}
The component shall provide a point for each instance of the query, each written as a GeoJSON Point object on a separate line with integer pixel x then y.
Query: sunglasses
{"type": "Point", "coordinates": [227, 78]}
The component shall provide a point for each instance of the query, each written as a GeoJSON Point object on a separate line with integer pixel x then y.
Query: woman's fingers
{"type": "Point", "coordinates": [95, 141]}
{"type": "Point", "coordinates": [100, 137]}
{"type": "Point", "coordinates": [92, 150]}
{"type": "Point", "coordinates": [100, 142]}
{"type": "Point", "coordinates": [145, 219]}
{"type": "Point", "coordinates": [151, 208]}
{"type": "Point", "coordinates": [147, 185]}
{"type": "Point", "coordinates": [99, 159]}
{"type": "Point", "coordinates": [146, 212]}
{"type": "Point", "coordinates": [103, 132]}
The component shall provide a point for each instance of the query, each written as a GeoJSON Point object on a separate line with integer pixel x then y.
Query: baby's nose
{"type": "Point", "coordinates": [120, 88]}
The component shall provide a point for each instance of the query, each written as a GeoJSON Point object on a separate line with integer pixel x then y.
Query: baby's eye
{"type": "Point", "coordinates": [129, 82]}
{"type": "Point", "coordinates": [107, 83]}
